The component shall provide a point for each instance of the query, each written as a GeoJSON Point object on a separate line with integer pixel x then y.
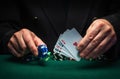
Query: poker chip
{"type": "Point", "coordinates": [42, 51]}
{"type": "Point", "coordinates": [43, 55]}
{"type": "Point", "coordinates": [60, 57]}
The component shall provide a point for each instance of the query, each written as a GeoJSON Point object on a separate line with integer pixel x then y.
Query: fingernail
{"type": "Point", "coordinates": [36, 53]}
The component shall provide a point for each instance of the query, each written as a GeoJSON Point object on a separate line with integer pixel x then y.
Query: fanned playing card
{"type": "Point", "coordinates": [66, 44]}
{"type": "Point", "coordinates": [61, 49]}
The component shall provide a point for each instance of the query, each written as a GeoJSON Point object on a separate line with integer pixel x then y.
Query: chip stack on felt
{"type": "Point", "coordinates": [43, 54]}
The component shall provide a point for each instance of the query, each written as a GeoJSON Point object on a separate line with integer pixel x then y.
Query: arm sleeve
{"type": "Point", "coordinates": [9, 23]}
{"type": "Point", "coordinates": [6, 32]}
{"type": "Point", "coordinates": [113, 53]}
{"type": "Point", "coordinates": [114, 19]}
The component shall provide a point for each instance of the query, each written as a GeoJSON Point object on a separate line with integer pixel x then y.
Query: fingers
{"type": "Point", "coordinates": [97, 39]}
{"type": "Point", "coordinates": [32, 41]}
{"type": "Point", "coordinates": [29, 41]}
{"type": "Point", "coordinates": [90, 35]}
{"type": "Point", "coordinates": [95, 42]}
{"type": "Point", "coordinates": [102, 47]}
{"type": "Point", "coordinates": [19, 39]}
{"type": "Point", "coordinates": [19, 43]}
{"type": "Point", "coordinates": [14, 51]}
{"type": "Point", "coordinates": [23, 41]}
{"type": "Point", "coordinates": [15, 47]}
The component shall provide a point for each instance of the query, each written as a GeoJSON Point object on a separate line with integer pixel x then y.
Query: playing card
{"type": "Point", "coordinates": [63, 50]}
{"type": "Point", "coordinates": [66, 44]}
{"type": "Point", "coordinates": [60, 48]}
{"type": "Point", "coordinates": [70, 39]}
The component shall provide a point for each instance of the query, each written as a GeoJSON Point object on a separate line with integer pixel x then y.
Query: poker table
{"type": "Point", "coordinates": [12, 68]}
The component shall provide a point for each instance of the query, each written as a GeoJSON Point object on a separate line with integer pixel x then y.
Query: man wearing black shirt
{"type": "Point", "coordinates": [25, 24]}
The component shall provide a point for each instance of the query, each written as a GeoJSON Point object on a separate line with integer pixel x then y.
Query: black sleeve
{"type": "Point", "coordinates": [9, 22]}
{"type": "Point", "coordinates": [114, 19]}
{"type": "Point", "coordinates": [113, 53]}
{"type": "Point", "coordinates": [7, 30]}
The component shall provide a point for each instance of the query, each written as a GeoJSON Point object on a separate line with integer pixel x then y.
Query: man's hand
{"type": "Point", "coordinates": [99, 37]}
{"type": "Point", "coordinates": [22, 41]}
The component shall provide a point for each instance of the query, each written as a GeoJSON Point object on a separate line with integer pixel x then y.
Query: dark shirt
{"type": "Point", "coordinates": [49, 18]}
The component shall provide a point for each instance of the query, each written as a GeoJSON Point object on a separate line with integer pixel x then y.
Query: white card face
{"type": "Point", "coordinates": [60, 48]}
{"type": "Point", "coordinates": [70, 39]}
{"type": "Point", "coordinates": [60, 52]}
{"type": "Point", "coordinates": [65, 50]}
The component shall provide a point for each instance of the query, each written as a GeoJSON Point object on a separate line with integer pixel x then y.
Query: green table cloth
{"type": "Point", "coordinates": [11, 68]}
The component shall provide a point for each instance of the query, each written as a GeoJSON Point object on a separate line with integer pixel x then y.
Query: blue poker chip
{"type": "Point", "coordinates": [42, 51]}
{"type": "Point", "coordinates": [43, 54]}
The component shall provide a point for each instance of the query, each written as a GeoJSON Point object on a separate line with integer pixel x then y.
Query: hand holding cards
{"type": "Point", "coordinates": [66, 45]}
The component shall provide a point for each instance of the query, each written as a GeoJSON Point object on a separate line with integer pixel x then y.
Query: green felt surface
{"type": "Point", "coordinates": [10, 68]}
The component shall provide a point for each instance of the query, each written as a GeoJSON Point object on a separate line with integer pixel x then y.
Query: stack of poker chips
{"type": "Point", "coordinates": [43, 54]}
{"type": "Point", "coordinates": [60, 57]}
